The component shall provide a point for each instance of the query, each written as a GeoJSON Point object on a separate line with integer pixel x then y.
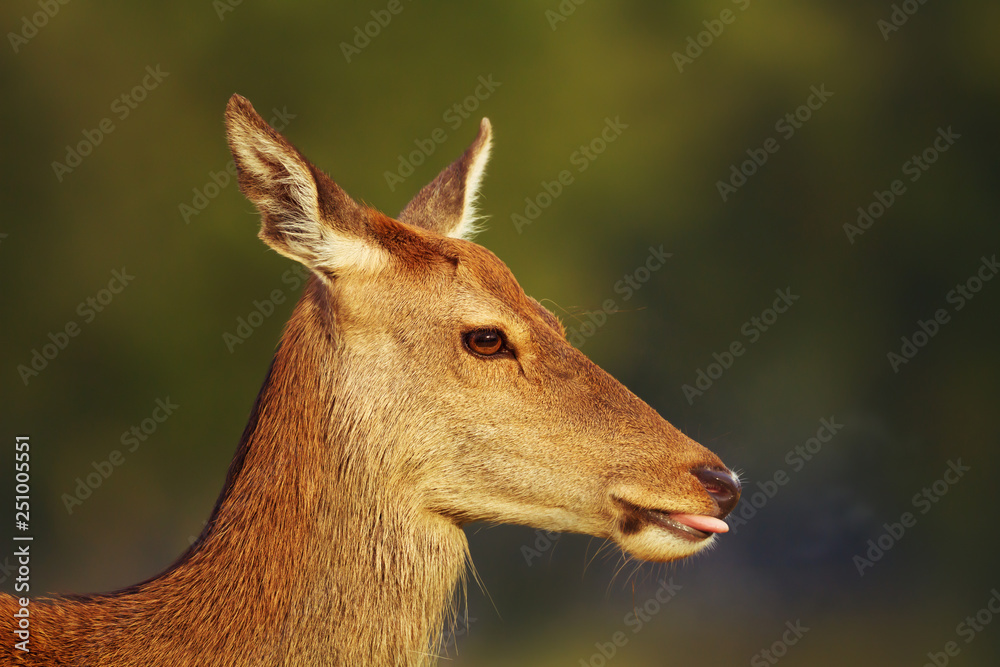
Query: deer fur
{"type": "Point", "coordinates": [337, 538]}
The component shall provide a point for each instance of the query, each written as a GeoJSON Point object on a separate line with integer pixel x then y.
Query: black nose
{"type": "Point", "coordinates": [722, 485]}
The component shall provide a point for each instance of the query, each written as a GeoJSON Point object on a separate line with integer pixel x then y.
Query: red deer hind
{"type": "Point", "coordinates": [416, 388]}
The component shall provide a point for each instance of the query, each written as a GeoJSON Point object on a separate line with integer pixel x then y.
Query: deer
{"type": "Point", "coordinates": [416, 388]}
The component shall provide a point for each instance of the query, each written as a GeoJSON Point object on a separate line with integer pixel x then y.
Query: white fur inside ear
{"type": "Point", "coordinates": [290, 202]}
{"type": "Point", "coordinates": [350, 254]}
{"type": "Point", "coordinates": [327, 251]}
{"type": "Point", "coordinates": [291, 205]}
{"type": "Point", "coordinates": [471, 220]}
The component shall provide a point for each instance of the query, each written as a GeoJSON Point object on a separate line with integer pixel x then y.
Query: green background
{"type": "Point", "coordinates": [656, 184]}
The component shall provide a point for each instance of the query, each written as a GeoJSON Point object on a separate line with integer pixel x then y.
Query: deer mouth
{"type": "Point", "coordinates": [691, 527]}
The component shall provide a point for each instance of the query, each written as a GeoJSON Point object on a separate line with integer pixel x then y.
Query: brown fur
{"type": "Point", "coordinates": [337, 538]}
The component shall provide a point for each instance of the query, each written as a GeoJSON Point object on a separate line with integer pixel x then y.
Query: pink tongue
{"type": "Point", "coordinates": [708, 524]}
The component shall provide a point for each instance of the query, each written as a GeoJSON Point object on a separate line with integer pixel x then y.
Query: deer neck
{"type": "Point", "coordinates": [313, 553]}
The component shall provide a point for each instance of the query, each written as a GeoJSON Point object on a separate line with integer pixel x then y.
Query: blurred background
{"type": "Point", "coordinates": [844, 154]}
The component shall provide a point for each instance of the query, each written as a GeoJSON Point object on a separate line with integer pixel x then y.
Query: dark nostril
{"type": "Point", "coordinates": [722, 485]}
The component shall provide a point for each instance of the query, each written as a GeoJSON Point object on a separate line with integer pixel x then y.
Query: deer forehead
{"type": "Point", "coordinates": [456, 278]}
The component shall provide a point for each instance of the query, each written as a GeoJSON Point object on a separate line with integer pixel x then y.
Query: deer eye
{"type": "Point", "coordinates": [486, 342]}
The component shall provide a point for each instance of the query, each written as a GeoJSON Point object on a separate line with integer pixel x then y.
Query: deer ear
{"type": "Point", "coordinates": [304, 214]}
{"type": "Point", "coordinates": [446, 205]}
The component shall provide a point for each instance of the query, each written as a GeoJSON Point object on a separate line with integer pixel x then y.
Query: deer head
{"type": "Point", "coordinates": [460, 397]}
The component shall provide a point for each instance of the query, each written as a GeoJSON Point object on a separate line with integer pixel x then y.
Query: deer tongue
{"type": "Point", "coordinates": [708, 524]}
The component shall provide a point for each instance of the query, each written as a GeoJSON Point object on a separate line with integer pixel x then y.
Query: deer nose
{"type": "Point", "coordinates": [722, 485]}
